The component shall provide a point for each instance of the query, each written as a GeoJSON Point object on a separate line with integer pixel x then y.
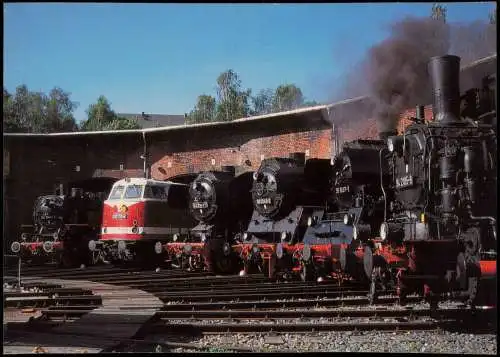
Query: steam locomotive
{"type": "Point", "coordinates": [221, 205]}
{"type": "Point", "coordinates": [139, 216]}
{"type": "Point", "coordinates": [286, 193]}
{"type": "Point", "coordinates": [337, 237]}
{"type": "Point", "coordinates": [442, 219]}
{"type": "Point", "coordinates": [64, 223]}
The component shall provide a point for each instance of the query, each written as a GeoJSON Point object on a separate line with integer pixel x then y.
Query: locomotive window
{"type": "Point", "coordinates": [156, 192]}
{"type": "Point", "coordinates": [117, 192]}
{"type": "Point", "coordinates": [133, 191]}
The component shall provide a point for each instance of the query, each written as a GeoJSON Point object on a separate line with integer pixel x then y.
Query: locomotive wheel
{"type": "Point", "coordinates": [472, 290]}
{"type": "Point", "coordinates": [343, 259]}
{"type": "Point", "coordinates": [307, 273]}
{"type": "Point", "coordinates": [224, 265]}
{"type": "Point", "coordinates": [372, 292]}
{"type": "Point", "coordinates": [368, 261]}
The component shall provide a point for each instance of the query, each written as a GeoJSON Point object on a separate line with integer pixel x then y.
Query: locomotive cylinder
{"type": "Point", "coordinates": [445, 71]}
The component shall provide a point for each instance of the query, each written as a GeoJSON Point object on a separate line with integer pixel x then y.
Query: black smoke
{"type": "Point", "coordinates": [394, 74]}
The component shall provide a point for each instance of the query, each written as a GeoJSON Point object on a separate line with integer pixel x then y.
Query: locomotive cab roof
{"type": "Point", "coordinates": [144, 181]}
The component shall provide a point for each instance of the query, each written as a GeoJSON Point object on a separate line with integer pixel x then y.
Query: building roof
{"type": "Point", "coordinates": [147, 121]}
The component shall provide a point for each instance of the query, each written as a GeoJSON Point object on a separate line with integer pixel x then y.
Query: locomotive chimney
{"type": "Point", "coordinates": [445, 77]}
{"type": "Point", "coordinates": [300, 157]}
{"type": "Point", "coordinates": [228, 169]}
{"type": "Point", "coordinates": [420, 114]}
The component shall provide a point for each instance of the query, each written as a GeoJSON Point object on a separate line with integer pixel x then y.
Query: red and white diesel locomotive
{"type": "Point", "coordinates": [138, 217]}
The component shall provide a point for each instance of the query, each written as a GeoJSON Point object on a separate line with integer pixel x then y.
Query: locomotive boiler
{"type": "Point", "coordinates": [444, 210]}
{"type": "Point", "coordinates": [63, 223]}
{"type": "Point", "coordinates": [139, 216]}
{"type": "Point", "coordinates": [221, 204]}
{"type": "Point", "coordinates": [286, 192]}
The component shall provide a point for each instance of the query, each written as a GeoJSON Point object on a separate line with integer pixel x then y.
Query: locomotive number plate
{"type": "Point", "coordinates": [119, 215]}
{"type": "Point", "coordinates": [342, 189]}
{"type": "Point", "coordinates": [405, 181]}
{"type": "Point", "coordinates": [199, 205]}
{"type": "Point", "coordinates": [264, 201]}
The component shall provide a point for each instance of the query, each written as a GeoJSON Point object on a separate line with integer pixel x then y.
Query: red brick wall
{"type": "Point", "coordinates": [240, 148]}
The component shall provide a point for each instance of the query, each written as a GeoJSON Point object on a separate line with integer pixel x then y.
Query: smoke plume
{"type": "Point", "coordinates": [394, 72]}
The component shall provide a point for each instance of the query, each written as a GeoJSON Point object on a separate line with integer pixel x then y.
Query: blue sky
{"type": "Point", "coordinates": [158, 58]}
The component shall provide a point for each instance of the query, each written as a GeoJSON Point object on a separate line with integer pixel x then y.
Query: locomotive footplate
{"type": "Point", "coordinates": [186, 255]}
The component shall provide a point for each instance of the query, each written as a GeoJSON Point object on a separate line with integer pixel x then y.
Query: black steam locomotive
{"type": "Point", "coordinates": [443, 177]}
{"type": "Point", "coordinates": [63, 222]}
{"type": "Point", "coordinates": [358, 208]}
{"type": "Point", "coordinates": [286, 194]}
{"type": "Point", "coordinates": [221, 204]}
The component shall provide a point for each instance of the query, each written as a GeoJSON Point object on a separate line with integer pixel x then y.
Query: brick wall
{"type": "Point", "coordinates": [236, 146]}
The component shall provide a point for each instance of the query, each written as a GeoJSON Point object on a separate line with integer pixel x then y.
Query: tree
{"type": "Point", "coordinates": [35, 112]}
{"type": "Point", "coordinates": [438, 12]}
{"type": "Point", "coordinates": [493, 16]}
{"type": "Point", "coordinates": [287, 97]}
{"type": "Point", "coordinates": [233, 101]}
{"type": "Point", "coordinates": [263, 102]}
{"type": "Point", "coordinates": [204, 110]}
{"type": "Point", "coordinates": [311, 103]}
{"type": "Point", "coordinates": [100, 116]}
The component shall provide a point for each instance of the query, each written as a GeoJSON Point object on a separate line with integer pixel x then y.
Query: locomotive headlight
{"type": "Point", "coordinates": [135, 229]}
{"type": "Point", "coordinates": [254, 176]}
{"type": "Point", "coordinates": [309, 221]}
{"type": "Point", "coordinates": [355, 233]}
{"type": "Point", "coordinates": [24, 236]}
{"type": "Point", "coordinates": [122, 246]}
{"type": "Point", "coordinates": [279, 250]}
{"type": "Point", "coordinates": [226, 249]}
{"type": "Point", "coordinates": [384, 231]}
{"type": "Point", "coordinates": [390, 144]}
{"type": "Point", "coordinates": [245, 236]}
{"type": "Point", "coordinates": [346, 219]}
{"type": "Point", "coordinates": [55, 236]}
{"type": "Point", "coordinates": [92, 245]}
{"type": "Point", "coordinates": [104, 230]}
{"type": "Point", "coordinates": [48, 246]}
{"type": "Point", "coordinates": [203, 237]}
{"type": "Point", "coordinates": [283, 236]}
{"type": "Point", "coordinates": [15, 247]}
{"type": "Point", "coordinates": [158, 248]}
{"type": "Point", "coordinates": [175, 237]}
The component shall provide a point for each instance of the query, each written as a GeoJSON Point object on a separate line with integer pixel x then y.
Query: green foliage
{"type": "Point", "coordinates": [493, 16]}
{"type": "Point", "coordinates": [35, 112]}
{"type": "Point", "coordinates": [263, 102]}
{"type": "Point", "coordinates": [438, 12]}
{"type": "Point", "coordinates": [287, 97]}
{"type": "Point", "coordinates": [234, 102]}
{"type": "Point", "coordinates": [204, 110]}
{"type": "Point", "coordinates": [100, 116]}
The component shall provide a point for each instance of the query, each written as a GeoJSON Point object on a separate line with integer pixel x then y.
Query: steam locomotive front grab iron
{"type": "Point", "coordinates": [443, 175]}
